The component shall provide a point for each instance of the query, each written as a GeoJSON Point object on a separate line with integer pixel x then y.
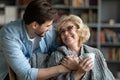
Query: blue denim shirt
{"type": "Point", "coordinates": [16, 49]}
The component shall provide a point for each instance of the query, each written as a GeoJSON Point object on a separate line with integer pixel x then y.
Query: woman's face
{"type": "Point", "coordinates": [69, 35]}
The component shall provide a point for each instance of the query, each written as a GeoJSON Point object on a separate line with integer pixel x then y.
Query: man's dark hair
{"type": "Point", "coordinates": [39, 11]}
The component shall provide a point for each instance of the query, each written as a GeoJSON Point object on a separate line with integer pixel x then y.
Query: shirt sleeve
{"type": "Point", "coordinates": [16, 59]}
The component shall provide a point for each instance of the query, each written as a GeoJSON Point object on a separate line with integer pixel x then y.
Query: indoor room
{"type": "Point", "coordinates": [101, 16]}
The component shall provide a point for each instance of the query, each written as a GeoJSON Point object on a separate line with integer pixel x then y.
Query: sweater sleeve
{"type": "Point", "coordinates": [101, 67]}
{"type": "Point", "coordinates": [55, 59]}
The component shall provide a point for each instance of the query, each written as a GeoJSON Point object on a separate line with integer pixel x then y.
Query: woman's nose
{"type": "Point", "coordinates": [66, 32]}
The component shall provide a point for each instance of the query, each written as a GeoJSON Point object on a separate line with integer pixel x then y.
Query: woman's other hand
{"type": "Point", "coordinates": [85, 65]}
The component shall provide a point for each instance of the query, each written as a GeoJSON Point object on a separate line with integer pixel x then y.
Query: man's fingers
{"type": "Point", "coordinates": [64, 64]}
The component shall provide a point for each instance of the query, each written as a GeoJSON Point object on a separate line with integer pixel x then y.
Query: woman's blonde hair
{"type": "Point", "coordinates": [83, 30]}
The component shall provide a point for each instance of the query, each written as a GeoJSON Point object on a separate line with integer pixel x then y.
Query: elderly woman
{"type": "Point", "coordinates": [72, 34]}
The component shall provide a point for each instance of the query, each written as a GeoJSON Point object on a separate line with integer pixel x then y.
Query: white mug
{"type": "Point", "coordinates": [91, 55]}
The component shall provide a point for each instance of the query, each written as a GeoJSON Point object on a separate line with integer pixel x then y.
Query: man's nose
{"type": "Point", "coordinates": [50, 27]}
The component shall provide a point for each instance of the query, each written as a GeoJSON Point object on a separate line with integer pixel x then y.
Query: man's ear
{"type": "Point", "coordinates": [34, 24]}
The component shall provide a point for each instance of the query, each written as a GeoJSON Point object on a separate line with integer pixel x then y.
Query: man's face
{"type": "Point", "coordinates": [41, 30]}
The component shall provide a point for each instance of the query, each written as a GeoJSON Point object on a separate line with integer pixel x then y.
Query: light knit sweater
{"type": "Point", "coordinates": [99, 72]}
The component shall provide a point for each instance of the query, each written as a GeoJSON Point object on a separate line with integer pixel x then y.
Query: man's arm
{"type": "Point", "coordinates": [51, 72]}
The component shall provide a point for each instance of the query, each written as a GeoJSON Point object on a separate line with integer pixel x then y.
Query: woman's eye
{"type": "Point", "coordinates": [70, 28]}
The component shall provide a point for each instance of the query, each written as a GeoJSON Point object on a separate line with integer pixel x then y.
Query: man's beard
{"type": "Point", "coordinates": [41, 35]}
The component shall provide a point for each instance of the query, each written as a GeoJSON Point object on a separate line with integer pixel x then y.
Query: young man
{"type": "Point", "coordinates": [20, 39]}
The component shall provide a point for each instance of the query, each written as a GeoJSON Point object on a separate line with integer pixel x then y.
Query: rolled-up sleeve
{"type": "Point", "coordinates": [16, 59]}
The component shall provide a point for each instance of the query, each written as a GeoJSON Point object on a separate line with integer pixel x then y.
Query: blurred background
{"type": "Point", "coordinates": [102, 17]}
